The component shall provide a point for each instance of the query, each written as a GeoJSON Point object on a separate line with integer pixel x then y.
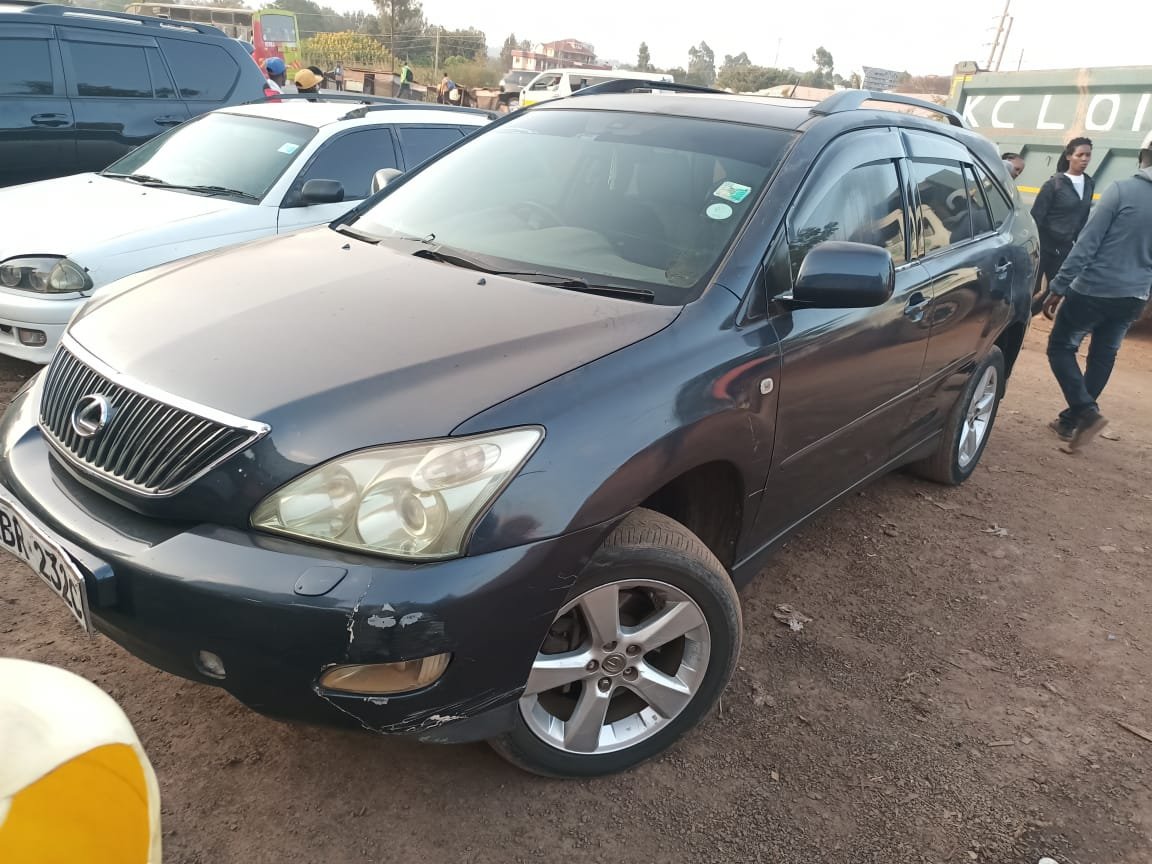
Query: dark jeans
{"type": "Point", "coordinates": [1107, 320]}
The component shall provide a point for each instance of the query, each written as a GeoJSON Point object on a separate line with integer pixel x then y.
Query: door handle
{"type": "Point", "coordinates": [52, 120]}
{"type": "Point", "coordinates": [914, 309]}
{"type": "Point", "coordinates": [169, 120]}
{"type": "Point", "coordinates": [1003, 268]}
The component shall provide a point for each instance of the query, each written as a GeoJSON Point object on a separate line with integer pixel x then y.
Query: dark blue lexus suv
{"type": "Point", "coordinates": [490, 456]}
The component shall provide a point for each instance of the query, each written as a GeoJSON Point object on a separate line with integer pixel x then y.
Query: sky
{"type": "Point", "coordinates": [919, 36]}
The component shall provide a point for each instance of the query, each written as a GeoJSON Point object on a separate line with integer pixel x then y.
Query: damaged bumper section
{"type": "Point", "coordinates": [289, 628]}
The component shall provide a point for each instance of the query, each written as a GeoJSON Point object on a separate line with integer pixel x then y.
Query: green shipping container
{"type": "Point", "coordinates": [1036, 113]}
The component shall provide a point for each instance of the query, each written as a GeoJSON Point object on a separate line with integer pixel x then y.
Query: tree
{"type": "Point", "coordinates": [525, 44]}
{"type": "Point", "coordinates": [823, 60]}
{"type": "Point", "coordinates": [510, 45]}
{"type": "Point", "coordinates": [643, 59]}
{"type": "Point", "coordinates": [701, 65]}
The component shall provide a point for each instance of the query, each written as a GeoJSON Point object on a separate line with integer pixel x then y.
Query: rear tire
{"type": "Point", "coordinates": [638, 655]}
{"type": "Point", "coordinates": [969, 425]}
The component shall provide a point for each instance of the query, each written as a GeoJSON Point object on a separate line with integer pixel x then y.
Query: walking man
{"type": "Point", "coordinates": [405, 81]}
{"type": "Point", "coordinates": [1099, 292]}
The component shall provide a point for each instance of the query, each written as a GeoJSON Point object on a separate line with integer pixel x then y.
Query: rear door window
{"type": "Point", "coordinates": [981, 217]}
{"type": "Point", "coordinates": [26, 69]}
{"type": "Point", "coordinates": [117, 71]}
{"type": "Point", "coordinates": [944, 213]}
{"type": "Point", "coordinates": [421, 143]}
{"type": "Point", "coordinates": [994, 195]}
{"type": "Point", "coordinates": [206, 72]}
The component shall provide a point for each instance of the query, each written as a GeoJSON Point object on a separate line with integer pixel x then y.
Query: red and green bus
{"type": "Point", "coordinates": [271, 32]}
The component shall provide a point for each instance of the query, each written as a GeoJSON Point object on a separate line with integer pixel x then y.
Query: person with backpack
{"type": "Point", "coordinates": [444, 93]}
{"type": "Point", "coordinates": [405, 81]}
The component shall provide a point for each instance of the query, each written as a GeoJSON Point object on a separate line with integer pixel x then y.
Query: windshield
{"type": "Point", "coordinates": [245, 154]}
{"type": "Point", "coordinates": [639, 200]}
{"type": "Point", "coordinates": [278, 28]}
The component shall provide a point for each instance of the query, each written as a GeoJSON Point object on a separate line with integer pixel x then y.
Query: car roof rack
{"type": "Point", "coordinates": [851, 100]}
{"type": "Point", "coordinates": [627, 85]}
{"type": "Point", "coordinates": [102, 14]}
{"type": "Point", "coordinates": [400, 104]}
{"type": "Point", "coordinates": [361, 99]}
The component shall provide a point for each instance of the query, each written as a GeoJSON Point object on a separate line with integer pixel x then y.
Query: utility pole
{"type": "Point", "coordinates": [392, 36]}
{"type": "Point", "coordinates": [436, 58]}
{"type": "Point", "coordinates": [999, 31]}
{"type": "Point", "coordinates": [1020, 62]}
{"type": "Point", "coordinates": [1004, 41]}
{"type": "Point", "coordinates": [776, 61]}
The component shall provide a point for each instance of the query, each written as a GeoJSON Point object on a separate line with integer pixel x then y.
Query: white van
{"type": "Point", "coordinates": [558, 83]}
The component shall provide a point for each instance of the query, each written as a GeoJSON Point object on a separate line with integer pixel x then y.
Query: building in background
{"type": "Point", "coordinates": [564, 53]}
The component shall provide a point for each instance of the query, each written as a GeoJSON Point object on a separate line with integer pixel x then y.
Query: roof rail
{"type": "Point", "coordinates": [361, 99]}
{"type": "Point", "coordinates": [627, 85]}
{"type": "Point", "coordinates": [370, 103]}
{"type": "Point", "coordinates": [82, 12]}
{"type": "Point", "coordinates": [401, 104]}
{"type": "Point", "coordinates": [850, 100]}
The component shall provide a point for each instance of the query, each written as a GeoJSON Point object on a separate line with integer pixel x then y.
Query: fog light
{"type": "Point", "coordinates": [210, 664]}
{"type": "Point", "coordinates": [31, 338]}
{"type": "Point", "coordinates": [376, 678]}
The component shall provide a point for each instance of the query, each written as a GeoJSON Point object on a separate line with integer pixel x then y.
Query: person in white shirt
{"type": "Point", "coordinates": [1061, 210]}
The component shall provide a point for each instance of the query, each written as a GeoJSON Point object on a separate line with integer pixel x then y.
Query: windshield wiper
{"type": "Point", "coordinates": [157, 183]}
{"type": "Point", "coordinates": [135, 178]}
{"type": "Point", "coordinates": [555, 280]}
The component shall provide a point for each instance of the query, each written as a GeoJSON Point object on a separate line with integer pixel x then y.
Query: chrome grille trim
{"type": "Point", "coordinates": [154, 444]}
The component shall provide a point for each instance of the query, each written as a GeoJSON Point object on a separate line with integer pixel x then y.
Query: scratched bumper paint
{"type": "Point", "coordinates": [167, 591]}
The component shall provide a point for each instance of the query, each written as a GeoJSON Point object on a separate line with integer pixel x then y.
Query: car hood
{"type": "Point", "coordinates": [72, 215]}
{"type": "Point", "coordinates": [340, 344]}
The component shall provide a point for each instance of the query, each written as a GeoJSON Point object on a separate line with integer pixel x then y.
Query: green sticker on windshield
{"type": "Point", "coordinates": [734, 192]}
{"type": "Point", "coordinates": [288, 149]}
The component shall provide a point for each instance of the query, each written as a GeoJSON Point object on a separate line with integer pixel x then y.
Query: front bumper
{"type": "Point", "coordinates": [30, 311]}
{"type": "Point", "coordinates": [167, 591]}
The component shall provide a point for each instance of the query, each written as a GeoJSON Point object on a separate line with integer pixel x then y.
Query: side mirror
{"type": "Point", "coordinates": [322, 192]}
{"type": "Point", "coordinates": [840, 275]}
{"type": "Point", "coordinates": [382, 178]}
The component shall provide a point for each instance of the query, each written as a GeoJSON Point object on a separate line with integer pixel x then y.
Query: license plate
{"type": "Point", "coordinates": [47, 560]}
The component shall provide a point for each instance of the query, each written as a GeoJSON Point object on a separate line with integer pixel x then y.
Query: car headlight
{"type": "Point", "coordinates": [413, 501]}
{"type": "Point", "coordinates": [45, 275]}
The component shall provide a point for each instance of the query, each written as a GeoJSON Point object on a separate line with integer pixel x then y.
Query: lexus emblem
{"type": "Point", "coordinates": [90, 415]}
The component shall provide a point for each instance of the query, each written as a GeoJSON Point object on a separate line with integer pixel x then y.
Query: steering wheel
{"type": "Point", "coordinates": [535, 214]}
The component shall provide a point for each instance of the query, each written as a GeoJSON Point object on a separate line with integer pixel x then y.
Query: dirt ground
{"type": "Point", "coordinates": [957, 697]}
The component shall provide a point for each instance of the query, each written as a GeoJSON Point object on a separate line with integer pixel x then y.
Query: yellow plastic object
{"type": "Point", "coordinates": [75, 785]}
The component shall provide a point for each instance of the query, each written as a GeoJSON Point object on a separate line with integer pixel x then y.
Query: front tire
{"type": "Point", "coordinates": [638, 655]}
{"type": "Point", "coordinates": [969, 425]}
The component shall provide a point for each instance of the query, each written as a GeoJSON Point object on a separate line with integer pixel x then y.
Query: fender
{"type": "Point", "coordinates": [685, 397]}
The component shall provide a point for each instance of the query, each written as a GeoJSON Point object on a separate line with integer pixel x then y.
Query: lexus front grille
{"type": "Point", "coordinates": [129, 435]}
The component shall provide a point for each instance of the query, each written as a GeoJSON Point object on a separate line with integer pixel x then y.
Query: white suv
{"type": "Point", "coordinates": [229, 176]}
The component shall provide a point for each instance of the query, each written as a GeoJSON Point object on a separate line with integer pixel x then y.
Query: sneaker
{"type": "Point", "coordinates": [1064, 430]}
{"type": "Point", "coordinates": [1087, 429]}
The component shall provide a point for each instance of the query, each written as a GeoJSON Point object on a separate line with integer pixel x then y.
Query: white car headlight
{"type": "Point", "coordinates": [44, 275]}
{"type": "Point", "coordinates": [414, 501]}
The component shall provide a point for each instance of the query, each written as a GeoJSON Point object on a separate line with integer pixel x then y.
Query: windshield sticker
{"type": "Point", "coordinates": [289, 148]}
{"type": "Point", "coordinates": [734, 192]}
{"type": "Point", "coordinates": [718, 211]}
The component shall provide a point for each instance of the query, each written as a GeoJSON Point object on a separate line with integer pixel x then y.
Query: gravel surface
{"type": "Point", "coordinates": [957, 696]}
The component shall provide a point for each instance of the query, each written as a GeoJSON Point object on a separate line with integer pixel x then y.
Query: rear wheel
{"type": "Point", "coordinates": [636, 657]}
{"type": "Point", "coordinates": [969, 425]}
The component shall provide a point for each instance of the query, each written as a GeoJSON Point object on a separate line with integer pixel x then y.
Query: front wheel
{"type": "Point", "coordinates": [969, 425]}
{"type": "Point", "coordinates": [637, 656]}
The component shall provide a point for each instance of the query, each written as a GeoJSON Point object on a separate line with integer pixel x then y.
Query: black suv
{"type": "Point", "coordinates": [79, 88]}
{"type": "Point", "coordinates": [490, 456]}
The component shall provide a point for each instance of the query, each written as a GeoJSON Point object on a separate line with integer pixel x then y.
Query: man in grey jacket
{"type": "Point", "coordinates": [1100, 291]}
